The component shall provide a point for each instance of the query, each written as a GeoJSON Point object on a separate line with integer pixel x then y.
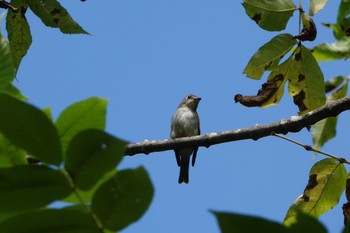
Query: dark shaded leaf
{"type": "Point", "coordinates": [28, 187]}
{"type": "Point", "coordinates": [90, 155]}
{"type": "Point", "coordinates": [306, 223]}
{"type": "Point", "coordinates": [10, 155]}
{"type": "Point", "coordinates": [29, 128]}
{"type": "Point", "coordinates": [123, 199]}
{"type": "Point", "coordinates": [49, 221]}
{"type": "Point", "coordinates": [230, 222]}
{"type": "Point", "coordinates": [7, 65]}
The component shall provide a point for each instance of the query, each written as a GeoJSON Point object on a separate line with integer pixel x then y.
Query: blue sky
{"type": "Point", "coordinates": [144, 57]}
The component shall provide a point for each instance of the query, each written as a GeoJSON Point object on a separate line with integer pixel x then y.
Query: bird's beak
{"type": "Point", "coordinates": [198, 98]}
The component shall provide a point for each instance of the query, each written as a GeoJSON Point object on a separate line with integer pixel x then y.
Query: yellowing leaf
{"type": "Point", "coordinates": [325, 186]}
{"type": "Point", "coordinates": [306, 84]}
{"type": "Point", "coordinates": [332, 51]}
{"type": "Point", "coordinates": [316, 6]}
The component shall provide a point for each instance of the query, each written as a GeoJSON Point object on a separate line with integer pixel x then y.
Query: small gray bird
{"type": "Point", "coordinates": [185, 123]}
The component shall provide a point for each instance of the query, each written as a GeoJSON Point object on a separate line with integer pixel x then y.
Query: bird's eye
{"type": "Point", "coordinates": [188, 97]}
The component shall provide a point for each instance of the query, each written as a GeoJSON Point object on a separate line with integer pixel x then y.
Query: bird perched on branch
{"type": "Point", "coordinates": [185, 123]}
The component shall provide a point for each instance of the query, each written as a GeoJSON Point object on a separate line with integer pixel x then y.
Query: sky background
{"type": "Point", "coordinates": [144, 57]}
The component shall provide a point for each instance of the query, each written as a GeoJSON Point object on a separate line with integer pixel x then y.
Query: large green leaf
{"type": "Point", "coordinates": [332, 51]}
{"type": "Point", "coordinates": [325, 129]}
{"type": "Point", "coordinates": [123, 199]}
{"type": "Point", "coordinates": [7, 65]}
{"type": "Point", "coordinates": [306, 82]}
{"type": "Point", "coordinates": [90, 155]}
{"type": "Point", "coordinates": [87, 195]}
{"type": "Point", "coordinates": [50, 221]}
{"type": "Point", "coordinates": [52, 14]}
{"type": "Point", "coordinates": [28, 187]}
{"type": "Point", "coordinates": [85, 114]}
{"type": "Point", "coordinates": [29, 128]}
{"type": "Point", "coordinates": [10, 155]}
{"type": "Point", "coordinates": [269, 55]}
{"type": "Point", "coordinates": [326, 185]}
{"type": "Point", "coordinates": [270, 15]}
{"type": "Point", "coordinates": [18, 31]}
{"type": "Point", "coordinates": [316, 6]}
{"type": "Point", "coordinates": [230, 222]}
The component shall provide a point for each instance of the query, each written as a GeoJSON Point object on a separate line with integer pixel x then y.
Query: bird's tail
{"type": "Point", "coordinates": [184, 168]}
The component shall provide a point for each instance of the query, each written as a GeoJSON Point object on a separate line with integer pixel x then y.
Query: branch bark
{"type": "Point", "coordinates": [293, 125]}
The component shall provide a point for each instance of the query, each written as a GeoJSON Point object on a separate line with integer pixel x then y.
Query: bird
{"type": "Point", "coordinates": [185, 123]}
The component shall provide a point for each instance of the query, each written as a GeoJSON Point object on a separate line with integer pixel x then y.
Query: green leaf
{"type": "Point", "coordinates": [18, 31]}
{"type": "Point", "coordinates": [326, 185]}
{"type": "Point", "coordinates": [230, 222]}
{"type": "Point", "coordinates": [316, 6]}
{"type": "Point", "coordinates": [269, 55]}
{"type": "Point", "coordinates": [306, 82]}
{"type": "Point", "coordinates": [90, 155]}
{"type": "Point", "coordinates": [52, 14]}
{"type": "Point", "coordinates": [332, 51]}
{"type": "Point", "coordinates": [7, 65]}
{"type": "Point", "coordinates": [123, 199]}
{"type": "Point", "coordinates": [86, 114]}
{"type": "Point", "coordinates": [10, 155]}
{"type": "Point", "coordinates": [29, 128]}
{"type": "Point", "coordinates": [306, 223]}
{"type": "Point", "coordinates": [325, 130]}
{"type": "Point", "coordinates": [50, 220]}
{"type": "Point", "coordinates": [11, 90]}
{"type": "Point", "coordinates": [28, 187]}
{"type": "Point", "coordinates": [270, 15]}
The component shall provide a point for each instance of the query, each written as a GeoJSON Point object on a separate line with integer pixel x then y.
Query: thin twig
{"type": "Point", "coordinates": [310, 148]}
{"type": "Point", "coordinates": [7, 5]}
{"type": "Point", "coordinates": [294, 124]}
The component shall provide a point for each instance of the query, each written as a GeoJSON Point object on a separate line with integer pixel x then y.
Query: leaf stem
{"type": "Point", "coordinates": [310, 148]}
{"type": "Point", "coordinates": [82, 202]}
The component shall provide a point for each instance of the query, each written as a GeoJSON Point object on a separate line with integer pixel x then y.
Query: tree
{"type": "Point", "coordinates": [98, 198]}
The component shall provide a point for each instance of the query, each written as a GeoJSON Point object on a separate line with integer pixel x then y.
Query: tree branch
{"type": "Point", "coordinates": [294, 124]}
